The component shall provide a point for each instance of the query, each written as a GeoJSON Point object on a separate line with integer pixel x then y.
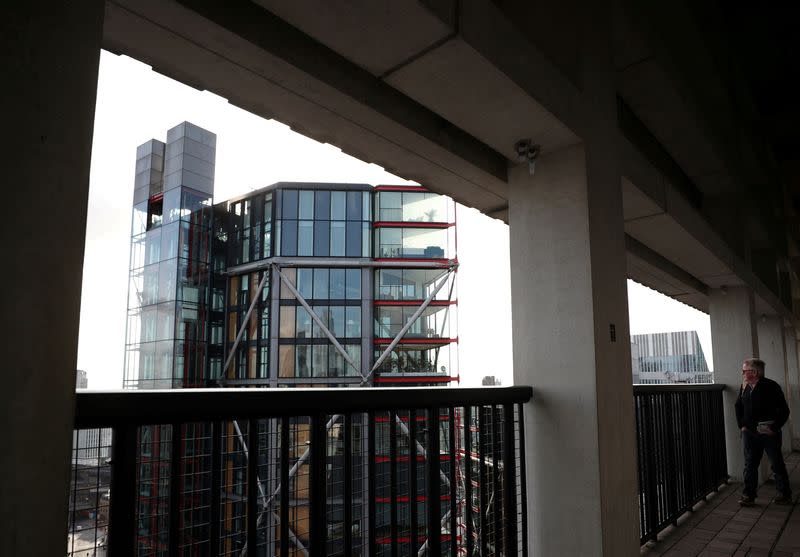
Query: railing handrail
{"type": "Point", "coordinates": [677, 387]}
{"type": "Point", "coordinates": [141, 407]}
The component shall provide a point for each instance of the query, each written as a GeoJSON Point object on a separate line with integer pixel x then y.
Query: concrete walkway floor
{"type": "Point", "coordinates": [719, 527]}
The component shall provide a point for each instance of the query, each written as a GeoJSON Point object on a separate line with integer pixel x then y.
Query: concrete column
{"type": "Point", "coordinates": [734, 336]}
{"type": "Point", "coordinates": [771, 350]}
{"type": "Point", "coordinates": [51, 53]}
{"type": "Point", "coordinates": [793, 394]}
{"type": "Point", "coordinates": [571, 343]}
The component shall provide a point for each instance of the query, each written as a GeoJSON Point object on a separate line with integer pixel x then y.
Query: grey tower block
{"type": "Point", "coordinates": [190, 158]}
{"type": "Point", "coordinates": [149, 178]}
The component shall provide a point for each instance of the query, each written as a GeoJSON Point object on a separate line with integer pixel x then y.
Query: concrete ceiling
{"type": "Point", "coordinates": [426, 90]}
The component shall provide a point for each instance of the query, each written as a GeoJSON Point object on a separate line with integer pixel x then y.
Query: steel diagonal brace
{"type": "Point", "coordinates": [407, 326]}
{"type": "Point", "coordinates": [317, 320]}
{"type": "Point", "coordinates": [243, 327]}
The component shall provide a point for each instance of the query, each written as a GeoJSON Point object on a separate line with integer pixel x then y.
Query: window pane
{"type": "Point", "coordinates": [366, 244]}
{"type": "Point", "coordinates": [304, 282]}
{"type": "Point", "coordinates": [354, 350]}
{"type": "Point", "coordinates": [321, 237]}
{"type": "Point", "coordinates": [354, 205]}
{"type": "Point", "coordinates": [289, 205]}
{"type": "Point", "coordinates": [286, 361]}
{"type": "Point", "coordinates": [353, 322]}
{"type": "Point", "coordinates": [306, 205]}
{"type": "Point", "coordinates": [336, 363]}
{"type": "Point", "coordinates": [337, 284]}
{"type": "Point", "coordinates": [353, 239]}
{"type": "Point", "coordinates": [289, 237]}
{"type": "Point", "coordinates": [366, 205]}
{"type": "Point", "coordinates": [303, 323]}
{"type": "Point", "coordinates": [337, 205]}
{"type": "Point", "coordinates": [287, 322]}
{"type": "Point", "coordinates": [320, 364]}
{"type": "Point", "coordinates": [322, 313]}
{"type": "Point", "coordinates": [322, 204]}
{"type": "Point", "coordinates": [336, 316]}
{"type": "Point", "coordinates": [305, 242]}
{"type": "Point", "coordinates": [320, 284]}
{"type": "Point", "coordinates": [303, 363]}
{"type": "Point", "coordinates": [337, 239]}
{"type": "Point", "coordinates": [390, 206]}
{"type": "Point", "coordinates": [353, 284]}
{"type": "Point", "coordinates": [290, 275]}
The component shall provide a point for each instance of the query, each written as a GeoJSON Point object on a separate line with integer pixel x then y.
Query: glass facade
{"type": "Point", "coordinates": [194, 299]}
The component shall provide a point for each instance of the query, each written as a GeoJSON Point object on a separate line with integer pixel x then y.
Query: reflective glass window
{"type": "Point", "coordinates": [354, 205]}
{"type": "Point", "coordinates": [337, 284]}
{"type": "Point", "coordinates": [353, 245]}
{"type": "Point", "coordinates": [305, 238]}
{"type": "Point", "coordinates": [337, 239]}
{"type": "Point", "coordinates": [289, 237]}
{"type": "Point", "coordinates": [336, 363]}
{"type": "Point", "coordinates": [321, 287]}
{"type": "Point", "coordinates": [304, 283]}
{"type": "Point", "coordinates": [303, 360]}
{"type": "Point", "coordinates": [306, 205]}
{"type": "Point", "coordinates": [322, 204]}
{"type": "Point", "coordinates": [336, 321]}
{"type": "Point", "coordinates": [353, 281]}
{"type": "Point", "coordinates": [338, 202]}
{"type": "Point", "coordinates": [320, 363]}
{"type": "Point", "coordinates": [390, 206]}
{"type": "Point", "coordinates": [289, 204]}
{"type": "Point", "coordinates": [303, 323]}
{"type": "Point", "coordinates": [286, 361]}
{"type": "Point", "coordinates": [352, 322]}
{"type": "Point", "coordinates": [287, 322]}
{"type": "Point", "coordinates": [322, 246]}
{"type": "Point", "coordinates": [322, 313]}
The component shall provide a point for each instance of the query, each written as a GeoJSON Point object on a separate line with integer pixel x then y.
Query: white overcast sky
{"type": "Point", "coordinates": [135, 104]}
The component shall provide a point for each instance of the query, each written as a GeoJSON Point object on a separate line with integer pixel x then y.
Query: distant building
{"type": "Point", "coordinates": [81, 380]}
{"type": "Point", "coordinates": [674, 357]}
{"type": "Point", "coordinates": [490, 380]}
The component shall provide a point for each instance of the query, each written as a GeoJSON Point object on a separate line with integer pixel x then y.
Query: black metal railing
{"type": "Point", "coordinates": [414, 471]}
{"type": "Point", "coordinates": [680, 438]}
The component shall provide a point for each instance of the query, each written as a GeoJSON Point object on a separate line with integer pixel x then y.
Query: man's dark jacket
{"type": "Point", "coordinates": [768, 403]}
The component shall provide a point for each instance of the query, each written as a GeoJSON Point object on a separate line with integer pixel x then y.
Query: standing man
{"type": "Point", "coordinates": [761, 411]}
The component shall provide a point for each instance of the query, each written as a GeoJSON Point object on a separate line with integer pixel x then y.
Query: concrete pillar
{"type": "Point", "coordinates": [571, 343]}
{"type": "Point", "coordinates": [734, 336]}
{"type": "Point", "coordinates": [793, 394]}
{"type": "Point", "coordinates": [51, 53]}
{"type": "Point", "coordinates": [771, 350]}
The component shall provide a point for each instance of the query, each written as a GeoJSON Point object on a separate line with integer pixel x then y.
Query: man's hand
{"type": "Point", "coordinates": [769, 432]}
{"type": "Point", "coordinates": [744, 429]}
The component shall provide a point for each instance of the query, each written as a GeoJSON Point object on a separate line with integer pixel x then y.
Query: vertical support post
{"type": "Point", "coordinates": [348, 484]}
{"type": "Point", "coordinates": [434, 526]}
{"type": "Point", "coordinates": [216, 486]}
{"type": "Point", "coordinates": [497, 493]}
{"type": "Point", "coordinates": [509, 482]}
{"type": "Point", "coordinates": [468, 478]}
{"type": "Point", "coordinates": [284, 472]}
{"type": "Point", "coordinates": [319, 527]}
{"type": "Point", "coordinates": [121, 512]}
{"type": "Point", "coordinates": [651, 486]}
{"type": "Point", "coordinates": [393, 482]}
{"type": "Point", "coordinates": [371, 492]}
{"type": "Point", "coordinates": [175, 479]}
{"type": "Point", "coordinates": [522, 475]}
{"type": "Point", "coordinates": [482, 481]}
{"type": "Point", "coordinates": [452, 488]}
{"type": "Point", "coordinates": [412, 480]}
{"type": "Point", "coordinates": [252, 487]}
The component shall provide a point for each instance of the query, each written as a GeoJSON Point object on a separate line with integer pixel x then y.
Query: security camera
{"type": "Point", "coordinates": [527, 151]}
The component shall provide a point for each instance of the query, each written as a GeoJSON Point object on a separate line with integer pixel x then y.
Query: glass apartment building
{"type": "Point", "coordinates": [292, 285]}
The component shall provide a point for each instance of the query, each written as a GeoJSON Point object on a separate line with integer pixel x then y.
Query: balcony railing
{"type": "Point", "coordinates": [680, 451]}
{"type": "Point", "coordinates": [417, 471]}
